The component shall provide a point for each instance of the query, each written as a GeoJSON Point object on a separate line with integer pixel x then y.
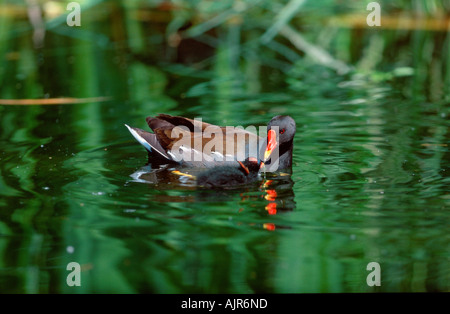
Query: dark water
{"type": "Point", "coordinates": [369, 182]}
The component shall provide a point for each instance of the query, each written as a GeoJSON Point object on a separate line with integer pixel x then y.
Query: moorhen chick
{"type": "Point", "coordinates": [230, 176]}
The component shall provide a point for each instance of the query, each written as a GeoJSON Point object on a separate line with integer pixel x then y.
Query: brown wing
{"type": "Point", "coordinates": [163, 126]}
{"type": "Point", "coordinates": [177, 120]}
{"type": "Point", "coordinates": [156, 123]}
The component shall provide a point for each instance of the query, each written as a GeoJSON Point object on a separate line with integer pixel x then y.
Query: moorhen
{"type": "Point", "coordinates": [197, 145]}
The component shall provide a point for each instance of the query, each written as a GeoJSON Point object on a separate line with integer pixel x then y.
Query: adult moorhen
{"type": "Point", "coordinates": [197, 143]}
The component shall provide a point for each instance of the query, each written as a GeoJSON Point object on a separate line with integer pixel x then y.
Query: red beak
{"type": "Point", "coordinates": [271, 144]}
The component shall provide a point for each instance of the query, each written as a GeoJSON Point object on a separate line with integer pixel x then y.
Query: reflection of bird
{"type": "Point", "coordinates": [169, 144]}
{"type": "Point", "coordinates": [279, 193]}
{"type": "Point", "coordinates": [224, 184]}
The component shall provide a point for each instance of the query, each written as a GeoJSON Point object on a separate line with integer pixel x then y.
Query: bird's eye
{"type": "Point", "coordinates": [282, 131]}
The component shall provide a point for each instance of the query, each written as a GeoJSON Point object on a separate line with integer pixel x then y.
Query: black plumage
{"type": "Point", "coordinates": [230, 176]}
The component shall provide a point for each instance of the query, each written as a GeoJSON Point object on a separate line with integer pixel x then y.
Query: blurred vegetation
{"type": "Point", "coordinates": [227, 45]}
{"type": "Point", "coordinates": [382, 93]}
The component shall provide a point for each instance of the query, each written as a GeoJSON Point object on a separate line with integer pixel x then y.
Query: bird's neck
{"type": "Point", "coordinates": [286, 153]}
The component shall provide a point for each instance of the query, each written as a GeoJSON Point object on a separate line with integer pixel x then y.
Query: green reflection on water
{"type": "Point", "coordinates": [369, 181]}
